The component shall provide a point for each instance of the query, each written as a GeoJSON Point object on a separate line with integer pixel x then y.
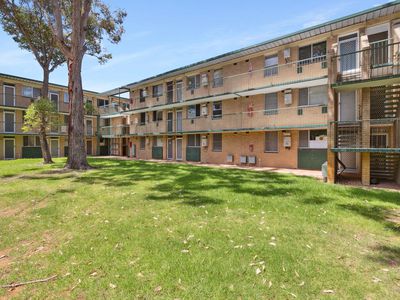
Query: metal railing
{"type": "Point", "coordinates": [367, 134]}
{"type": "Point", "coordinates": [381, 59]}
{"type": "Point", "coordinates": [16, 128]}
{"type": "Point", "coordinates": [111, 109]}
{"type": "Point", "coordinates": [114, 131]}
{"type": "Point", "coordinates": [247, 79]}
{"type": "Point", "coordinates": [314, 116]}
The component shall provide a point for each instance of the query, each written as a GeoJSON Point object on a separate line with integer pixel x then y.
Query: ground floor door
{"type": "Point", "coordinates": [9, 149]}
{"type": "Point", "coordinates": [179, 149]}
{"type": "Point", "coordinates": [133, 150]}
{"type": "Point", "coordinates": [54, 148]}
{"type": "Point", "coordinates": [89, 147]}
{"type": "Point", "coordinates": [170, 149]}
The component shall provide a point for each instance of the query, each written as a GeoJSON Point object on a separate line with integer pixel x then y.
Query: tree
{"type": "Point", "coordinates": [39, 117]}
{"type": "Point", "coordinates": [26, 23]}
{"type": "Point", "coordinates": [79, 27]}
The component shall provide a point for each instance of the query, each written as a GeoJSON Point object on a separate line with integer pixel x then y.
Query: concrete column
{"type": "Point", "coordinates": [332, 109]}
{"type": "Point", "coordinates": [366, 136]}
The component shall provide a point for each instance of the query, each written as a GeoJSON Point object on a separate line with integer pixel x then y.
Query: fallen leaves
{"type": "Point", "coordinates": [157, 289]}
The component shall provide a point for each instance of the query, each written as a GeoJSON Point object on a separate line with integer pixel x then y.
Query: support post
{"type": "Point", "coordinates": [366, 136]}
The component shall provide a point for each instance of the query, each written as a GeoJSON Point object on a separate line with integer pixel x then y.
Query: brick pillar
{"type": "Point", "coordinates": [332, 109]}
{"type": "Point", "coordinates": [366, 136]}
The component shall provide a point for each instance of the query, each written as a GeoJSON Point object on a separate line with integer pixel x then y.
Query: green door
{"type": "Point", "coordinates": [193, 154]}
{"type": "Point", "coordinates": [311, 159]}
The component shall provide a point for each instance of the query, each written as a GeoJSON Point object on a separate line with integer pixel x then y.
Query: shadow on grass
{"type": "Point", "coordinates": [386, 255]}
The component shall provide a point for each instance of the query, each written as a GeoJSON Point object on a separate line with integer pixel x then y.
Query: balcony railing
{"type": "Point", "coordinates": [378, 135]}
{"type": "Point", "coordinates": [16, 128]}
{"type": "Point", "coordinates": [380, 60]}
{"type": "Point", "coordinates": [114, 131]}
{"type": "Point", "coordinates": [284, 118]}
{"type": "Point", "coordinates": [111, 109]}
{"type": "Point", "coordinates": [248, 81]}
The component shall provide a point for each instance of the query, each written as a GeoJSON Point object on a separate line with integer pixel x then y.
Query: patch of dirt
{"type": "Point", "coordinates": [5, 259]}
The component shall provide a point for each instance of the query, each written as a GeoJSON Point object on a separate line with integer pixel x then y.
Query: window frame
{"type": "Point", "coordinates": [273, 111]}
{"type": "Point", "coordinates": [218, 143]}
{"type": "Point", "coordinates": [271, 70]}
{"type": "Point", "coordinates": [24, 88]}
{"type": "Point", "coordinates": [197, 141]}
{"type": "Point", "coordinates": [142, 143]}
{"type": "Point", "coordinates": [66, 97]}
{"type": "Point", "coordinates": [277, 142]}
{"type": "Point", "coordinates": [197, 111]}
{"type": "Point", "coordinates": [216, 116]}
{"type": "Point", "coordinates": [308, 96]}
{"type": "Point", "coordinates": [197, 82]}
{"type": "Point", "coordinates": [142, 122]}
{"type": "Point", "coordinates": [218, 81]}
{"type": "Point", "coordinates": [158, 90]}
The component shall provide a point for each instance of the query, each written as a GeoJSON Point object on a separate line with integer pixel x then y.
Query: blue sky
{"type": "Point", "coordinates": [163, 35]}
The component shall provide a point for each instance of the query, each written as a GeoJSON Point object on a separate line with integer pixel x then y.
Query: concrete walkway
{"type": "Point", "coordinates": [298, 172]}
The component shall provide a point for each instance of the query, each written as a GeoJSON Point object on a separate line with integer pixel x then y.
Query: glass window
{"type": "Point", "coordinates": [37, 93]}
{"type": "Point", "coordinates": [217, 78]}
{"type": "Point", "coordinates": [54, 99]}
{"type": "Point", "coordinates": [305, 52]}
{"type": "Point", "coordinates": [303, 138]}
{"type": "Point", "coordinates": [193, 82]}
{"type": "Point", "coordinates": [271, 65]}
{"type": "Point", "coordinates": [66, 97]}
{"type": "Point", "coordinates": [157, 141]}
{"type": "Point", "coordinates": [157, 115]}
{"type": "Point", "coordinates": [193, 111]}
{"type": "Point", "coordinates": [142, 143]}
{"type": "Point", "coordinates": [29, 141]}
{"type": "Point", "coordinates": [217, 142]}
{"type": "Point", "coordinates": [271, 104]}
{"type": "Point", "coordinates": [193, 140]}
{"type": "Point", "coordinates": [142, 98]}
{"type": "Point", "coordinates": [142, 118]}
{"type": "Point", "coordinates": [217, 110]}
{"type": "Point", "coordinates": [312, 51]}
{"type": "Point", "coordinates": [318, 95]}
{"type": "Point", "coordinates": [157, 90]}
{"type": "Point", "coordinates": [27, 91]}
{"type": "Point", "coordinates": [319, 49]}
{"type": "Point", "coordinates": [271, 141]}
{"type": "Point", "coordinates": [303, 97]}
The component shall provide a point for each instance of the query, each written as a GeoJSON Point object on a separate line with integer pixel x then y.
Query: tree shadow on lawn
{"type": "Point", "coordinates": [386, 255]}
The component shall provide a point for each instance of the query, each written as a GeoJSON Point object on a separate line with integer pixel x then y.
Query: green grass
{"type": "Point", "coordinates": [130, 230]}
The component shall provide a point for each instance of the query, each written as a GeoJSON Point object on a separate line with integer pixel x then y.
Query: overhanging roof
{"type": "Point", "coordinates": [356, 18]}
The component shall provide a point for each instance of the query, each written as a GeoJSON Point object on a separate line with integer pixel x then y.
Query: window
{"type": "Point", "coordinates": [142, 143]}
{"type": "Point", "coordinates": [316, 95]}
{"type": "Point", "coordinates": [102, 102]}
{"type": "Point", "coordinates": [89, 127]}
{"type": "Point", "coordinates": [37, 93]}
{"type": "Point", "coordinates": [157, 90]}
{"type": "Point", "coordinates": [142, 98]}
{"type": "Point", "coordinates": [217, 142]}
{"type": "Point", "coordinates": [193, 82]}
{"type": "Point", "coordinates": [31, 141]}
{"type": "Point", "coordinates": [271, 104]}
{"type": "Point", "coordinates": [66, 97]}
{"type": "Point", "coordinates": [157, 116]}
{"type": "Point", "coordinates": [271, 65]}
{"type": "Point", "coordinates": [316, 139]}
{"type": "Point", "coordinates": [193, 111]}
{"type": "Point", "coordinates": [218, 80]}
{"type": "Point", "coordinates": [142, 118]}
{"type": "Point", "coordinates": [193, 140]}
{"type": "Point", "coordinates": [54, 99]}
{"type": "Point", "coordinates": [157, 141]}
{"type": "Point", "coordinates": [271, 141]}
{"type": "Point", "coordinates": [217, 110]}
{"type": "Point", "coordinates": [27, 91]}
{"type": "Point", "coordinates": [312, 53]}
{"type": "Point", "coordinates": [303, 139]}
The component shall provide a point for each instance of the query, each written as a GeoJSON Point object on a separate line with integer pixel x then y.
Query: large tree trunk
{"type": "Point", "coordinates": [76, 136]}
{"type": "Point", "coordinates": [44, 145]}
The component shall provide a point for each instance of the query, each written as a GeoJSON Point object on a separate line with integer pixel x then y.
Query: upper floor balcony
{"type": "Point", "coordinates": [11, 128]}
{"type": "Point", "coordinates": [379, 62]}
{"type": "Point", "coordinates": [112, 109]}
{"type": "Point", "coordinates": [114, 131]}
{"type": "Point", "coordinates": [247, 79]}
{"type": "Point", "coordinates": [302, 117]}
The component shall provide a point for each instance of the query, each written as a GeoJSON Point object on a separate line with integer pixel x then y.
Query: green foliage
{"type": "Point", "coordinates": [40, 113]}
{"type": "Point", "coordinates": [142, 230]}
{"type": "Point", "coordinates": [89, 108]}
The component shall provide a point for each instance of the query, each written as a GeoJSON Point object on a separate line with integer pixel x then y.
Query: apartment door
{"type": "Point", "coordinates": [89, 147]}
{"type": "Point", "coordinates": [9, 122]}
{"type": "Point", "coordinates": [347, 106]}
{"type": "Point", "coordinates": [170, 119]}
{"type": "Point", "coordinates": [170, 92]}
{"type": "Point", "coordinates": [9, 95]}
{"type": "Point", "coordinates": [54, 148]}
{"type": "Point", "coordinates": [9, 149]}
{"type": "Point", "coordinates": [348, 47]}
{"type": "Point", "coordinates": [179, 121]}
{"type": "Point", "coordinates": [179, 149]}
{"type": "Point", "coordinates": [179, 91]}
{"type": "Point", "coordinates": [170, 149]}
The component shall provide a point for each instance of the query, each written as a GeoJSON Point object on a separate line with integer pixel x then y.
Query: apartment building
{"type": "Point", "coordinates": [326, 93]}
{"type": "Point", "coordinates": [17, 94]}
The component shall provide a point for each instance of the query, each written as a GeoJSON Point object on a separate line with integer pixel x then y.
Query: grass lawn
{"type": "Point", "coordinates": [141, 230]}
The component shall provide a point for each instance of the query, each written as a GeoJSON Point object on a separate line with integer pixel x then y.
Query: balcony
{"type": "Point", "coordinates": [11, 100]}
{"type": "Point", "coordinates": [378, 135]}
{"type": "Point", "coordinates": [16, 128]}
{"type": "Point", "coordinates": [379, 62]}
{"type": "Point", "coordinates": [114, 131]}
{"type": "Point", "coordinates": [250, 81]}
{"type": "Point", "coordinates": [111, 109]}
{"type": "Point", "coordinates": [306, 117]}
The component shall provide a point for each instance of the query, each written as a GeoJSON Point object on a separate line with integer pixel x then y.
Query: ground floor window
{"type": "Point", "coordinates": [317, 139]}
{"type": "Point", "coordinates": [157, 141]}
{"type": "Point", "coordinates": [142, 143]}
{"type": "Point", "coordinates": [217, 142]}
{"type": "Point", "coordinates": [193, 140]}
{"type": "Point", "coordinates": [271, 141]}
{"type": "Point", "coordinates": [31, 141]}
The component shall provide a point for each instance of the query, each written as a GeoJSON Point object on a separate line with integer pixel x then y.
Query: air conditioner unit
{"type": "Point", "coordinates": [204, 110]}
{"type": "Point", "coordinates": [287, 140]}
{"type": "Point", "coordinates": [204, 141]}
{"type": "Point", "coordinates": [229, 158]}
{"type": "Point", "coordinates": [286, 54]}
{"type": "Point", "coordinates": [204, 79]}
{"type": "Point", "coordinates": [243, 159]}
{"type": "Point", "coordinates": [64, 129]}
{"type": "Point", "coordinates": [252, 160]}
{"type": "Point", "coordinates": [288, 97]}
